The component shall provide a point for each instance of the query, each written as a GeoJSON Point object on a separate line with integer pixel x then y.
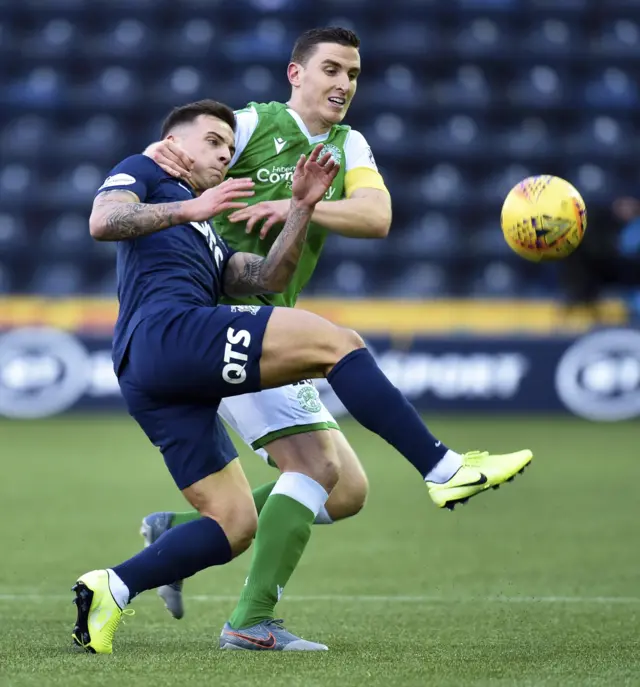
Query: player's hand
{"type": "Point", "coordinates": [313, 177]}
{"type": "Point", "coordinates": [173, 159]}
{"type": "Point", "coordinates": [218, 199]}
{"type": "Point", "coordinates": [271, 211]}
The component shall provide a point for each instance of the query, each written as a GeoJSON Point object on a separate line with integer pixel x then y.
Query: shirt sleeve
{"type": "Point", "coordinates": [246, 124]}
{"type": "Point", "coordinates": [137, 174]}
{"type": "Point", "coordinates": [361, 170]}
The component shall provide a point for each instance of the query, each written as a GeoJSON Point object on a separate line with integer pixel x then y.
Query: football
{"type": "Point", "coordinates": [543, 218]}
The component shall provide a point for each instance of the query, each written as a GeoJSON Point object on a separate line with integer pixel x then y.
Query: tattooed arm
{"type": "Point", "coordinates": [117, 216]}
{"type": "Point", "coordinates": [247, 274]}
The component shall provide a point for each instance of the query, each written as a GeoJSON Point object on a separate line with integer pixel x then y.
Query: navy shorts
{"type": "Point", "coordinates": [179, 365]}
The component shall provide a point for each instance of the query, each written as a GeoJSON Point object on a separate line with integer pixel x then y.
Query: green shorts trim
{"type": "Point", "coordinates": [291, 431]}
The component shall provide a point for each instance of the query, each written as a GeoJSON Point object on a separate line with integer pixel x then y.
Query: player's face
{"type": "Point", "coordinates": [328, 81]}
{"type": "Point", "coordinates": [211, 143]}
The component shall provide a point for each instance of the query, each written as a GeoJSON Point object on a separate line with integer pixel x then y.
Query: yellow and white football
{"type": "Point", "coordinates": [543, 218]}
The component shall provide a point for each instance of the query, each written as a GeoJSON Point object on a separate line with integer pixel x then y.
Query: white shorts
{"type": "Point", "coordinates": [271, 414]}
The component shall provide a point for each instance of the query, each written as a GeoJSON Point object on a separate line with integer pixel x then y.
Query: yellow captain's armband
{"type": "Point", "coordinates": [362, 177]}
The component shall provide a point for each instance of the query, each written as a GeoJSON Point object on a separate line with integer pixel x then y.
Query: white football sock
{"type": "Point", "coordinates": [303, 489]}
{"type": "Point", "coordinates": [446, 468]}
{"type": "Point", "coordinates": [119, 590]}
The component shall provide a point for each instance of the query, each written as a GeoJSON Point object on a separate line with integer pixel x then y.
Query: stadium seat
{"type": "Point", "coordinates": [553, 37]}
{"type": "Point", "coordinates": [423, 280]}
{"type": "Point", "coordinates": [495, 279]}
{"type": "Point", "coordinates": [540, 86]}
{"type": "Point", "coordinates": [612, 87]}
{"type": "Point", "coordinates": [63, 279]}
{"type": "Point", "coordinates": [25, 137]}
{"type": "Point", "coordinates": [16, 182]}
{"type": "Point", "coordinates": [68, 236]}
{"type": "Point", "coordinates": [467, 87]}
{"type": "Point", "coordinates": [13, 235]}
{"type": "Point", "coordinates": [620, 38]}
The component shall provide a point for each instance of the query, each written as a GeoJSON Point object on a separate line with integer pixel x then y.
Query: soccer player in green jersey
{"type": "Point", "coordinates": [290, 425]}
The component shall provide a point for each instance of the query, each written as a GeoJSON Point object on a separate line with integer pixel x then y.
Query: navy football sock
{"type": "Point", "coordinates": [180, 552]}
{"type": "Point", "coordinates": [380, 407]}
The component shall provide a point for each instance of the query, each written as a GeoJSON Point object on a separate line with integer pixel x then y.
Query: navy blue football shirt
{"type": "Point", "coordinates": [181, 265]}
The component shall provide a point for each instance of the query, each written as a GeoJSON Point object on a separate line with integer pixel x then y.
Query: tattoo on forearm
{"type": "Point", "coordinates": [252, 272]}
{"type": "Point", "coordinates": [130, 220]}
{"type": "Point", "coordinates": [282, 259]}
{"type": "Point", "coordinates": [254, 275]}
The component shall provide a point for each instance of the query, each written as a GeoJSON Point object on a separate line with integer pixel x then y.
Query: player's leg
{"type": "Point", "coordinates": [290, 423]}
{"type": "Point", "coordinates": [266, 420]}
{"type": "Point", "coordinates": [350, 493]}
{"type": "Point", "coordinates": [225, 530]}
{"type": "Point", "coordinates": [345, 500]}
{"type": "Point", "coordinates": [283, 532]}
{"type": "Point", "coordinates": [299, 345]}
{"type": "Point", "coordinates": [309, 464]}
{"type": "Point", "coordinates": [203, 463]}
{"type": "Point", "coordinates": [217, 351]}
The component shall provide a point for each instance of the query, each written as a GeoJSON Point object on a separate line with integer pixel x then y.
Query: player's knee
{"type": "Point", "coordinates": [309, 453]}
{"type": "Point", "coordinates": [349, 496]}
{"type": "Point", "coordinates": [321, 469]}
{"type": "Point", "coordinates": [358, 492]}
{"type": "Point", "coordinates": [344, 341]}
{"type": "Point", "coordinates": [350, 341]}
{"type": "Point", "coordinates": [239, 524]}
{"type": "Point", "coordinates": [243, 533]}
{"type": "Point", "coordinates": [326, 472]}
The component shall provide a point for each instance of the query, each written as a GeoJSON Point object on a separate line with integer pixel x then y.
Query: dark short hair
{"type": "Point", "coordinates": [185, 114]}
{"type": "Point", "coordinates": [306, 44]}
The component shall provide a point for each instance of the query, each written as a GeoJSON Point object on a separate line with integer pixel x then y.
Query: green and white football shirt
{"type": "Point", "coordinates": [270, 137]}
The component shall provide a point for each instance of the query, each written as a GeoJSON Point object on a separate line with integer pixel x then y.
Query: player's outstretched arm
{"type": "Point", "coordinates": [364, 212]}
{"type": "Point", "coordinates": [117, 216]}
{"type": "Point", "coordinates": [248, 274]}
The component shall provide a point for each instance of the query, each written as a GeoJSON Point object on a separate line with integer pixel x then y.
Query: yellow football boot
{"type": "Point", "coordinates": [98, 613]}
{"type": "Point", "coordinates": [480, 470]}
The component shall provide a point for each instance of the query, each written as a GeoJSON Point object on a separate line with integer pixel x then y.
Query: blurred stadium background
{"type": "Point", "coordinates": [459, 99]}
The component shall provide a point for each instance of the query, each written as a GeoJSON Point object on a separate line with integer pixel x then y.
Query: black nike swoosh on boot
{"type": "Point", "coordinates": [483, 480]}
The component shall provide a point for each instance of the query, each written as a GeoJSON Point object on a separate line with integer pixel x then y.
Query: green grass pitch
{"type": "Point", "coordinates": [535, 584]}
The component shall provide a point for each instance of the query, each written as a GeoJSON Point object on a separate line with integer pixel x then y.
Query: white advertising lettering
{"type": "Point", "coordinates": [454, 375]}
{"type": "Point", "coordinates": [205, 229]}
{"type": "Point", "coordinates": [234, 370]}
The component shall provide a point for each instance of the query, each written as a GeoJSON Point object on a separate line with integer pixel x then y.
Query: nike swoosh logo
{"type": "Point", "coordinates": [267, 643]}
{"type": "Point", "coordinates": [482, 480]}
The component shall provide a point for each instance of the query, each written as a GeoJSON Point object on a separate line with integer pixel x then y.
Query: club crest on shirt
{"type": "Point", "coordinates": [336, 153]}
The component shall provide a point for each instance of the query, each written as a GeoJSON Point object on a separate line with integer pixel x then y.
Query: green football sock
{"type": "Point", "coordinates": [284, 528]}
{"type": "Point", "coordinates": [260, 496]}
{"type": "Point", "coordinates": [186, 516]}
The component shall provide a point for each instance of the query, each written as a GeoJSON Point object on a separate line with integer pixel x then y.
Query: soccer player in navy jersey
{"type": "Point", "coordinates": [177, 353]}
